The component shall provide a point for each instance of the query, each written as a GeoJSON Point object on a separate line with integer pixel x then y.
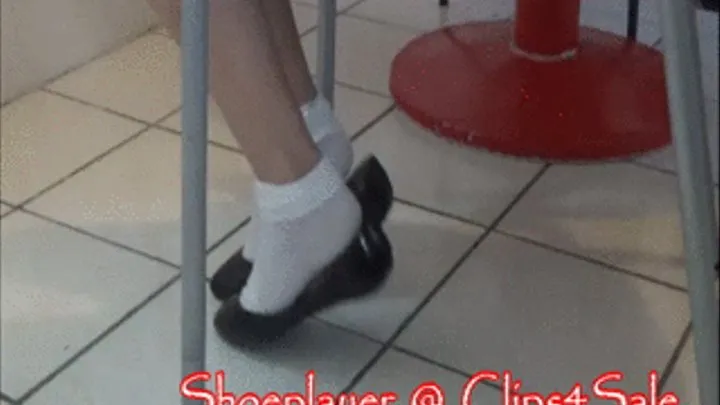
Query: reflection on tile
{"type": "Point", "coordinates": [366, 52]}
{"type": "Point", "coordinates": [46, 137]}
{"type": "Point", "coordinates": [144, 354]}
{"type": "Point", "coordinates": [139, 204]}
{"type": "Point", "coordinates": [550, 319]}
{"type": "Point", "coordinates": [683, 380]}
{"type": "Point", "coordinates": [425, 246]}
{"type": "Point", "coordinates": [60, 290]}
{"type": "Point", "coordinates": [432, 172]}
{"type": "Point", "coordinates": [618, 213]}
{"type": "Point", "coordinates": [401, 374]}
{"type": "Point", "coordinates": [141, 79]}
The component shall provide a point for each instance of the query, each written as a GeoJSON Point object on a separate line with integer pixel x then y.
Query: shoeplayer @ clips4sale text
{"type": "Point", "coordinates": [430, 393]}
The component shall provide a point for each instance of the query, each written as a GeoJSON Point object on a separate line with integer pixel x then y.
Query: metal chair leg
{"type": "Point", "coordinates": [326, 49]}
{"type": "Point", "coordinates": [632, 19]}
{"type": "Point", "coordinates": [194, 44]}
{"type": "Point", "coordinates": [684, 82]}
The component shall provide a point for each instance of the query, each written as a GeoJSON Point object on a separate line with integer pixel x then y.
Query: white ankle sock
{"type": "Point", "coordinates": [304, 226]}
{"type": "Point", "coordinates": [333, 142]}
{"type": "Point", "coordinates": [328, 133]}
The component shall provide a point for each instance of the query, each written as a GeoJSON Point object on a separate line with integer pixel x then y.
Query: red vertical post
{"type": "Point", "coordinates": [547, 27]}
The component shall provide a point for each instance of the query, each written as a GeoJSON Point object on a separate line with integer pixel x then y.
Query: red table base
{"type": "Point", "coordinates": [465, 83]}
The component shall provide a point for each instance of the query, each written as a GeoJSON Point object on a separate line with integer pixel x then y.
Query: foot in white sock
{"type": "Point", "coordinates": [304, 226]}
{"type": "Point", "coordinates": [333, 143]}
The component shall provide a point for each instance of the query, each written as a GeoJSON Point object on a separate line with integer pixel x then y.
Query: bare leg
{"type": "Point", "coordinates": [306, 212]}
{"type": "Point", "coordinates": [288, 46]}
{"type": "Point", "coordinates": [243, 62]}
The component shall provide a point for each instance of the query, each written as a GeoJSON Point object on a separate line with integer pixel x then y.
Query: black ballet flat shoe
{"type": "Point", "coordinates": [371, 186]}
{"type": "Point", "coordinates": [361, 269]}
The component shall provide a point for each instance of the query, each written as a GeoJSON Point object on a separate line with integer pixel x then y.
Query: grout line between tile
{"type": "Point", "coordinates": [396, 26]}
{"type": "Point", "coordinates": [8, 212]}
{"type": "Point", "coordinates": [440, 213]}
{"type": "Point", "coordinates": [661, 170]}
{"type": "Point", "coordinates": [101, 55]}
{"type": "Point", "coordinates": [100, 238]}
{"type": "Point", "coordinates": [210, 141]}
{"type": "Point", "coordinates": [82, 167]}
{"type": "Point", "coordinates": [445, 367]}
{"type": "Point", "coordinates": [94, 342]}
{"type": "Point", "coordinates": [345, 329]}
{"type": "Point", "coordinates": [672, 361]}
{"type": "Point", "coordinates": [362, 89]}
{"type": "Point", "coordinates": [604, 265]}
{"type": "Point", "coordinates": [7, 399]}
{"type": "Point", "coordinates": [94, 106]}
{"type": "Point", "coordinates": [228, 235]}
{"type": "Point", "coordinates": [351, 6]}
{"type": "Point", "coordinates": [88, 164]}
{"type": "Point", "coordinates": [456, 266]}
{"type": "Point", "coordinates": [372, 123]}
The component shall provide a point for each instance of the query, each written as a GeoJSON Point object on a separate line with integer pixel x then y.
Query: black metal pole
{"type": "Point", "coordinates": [632, 19]}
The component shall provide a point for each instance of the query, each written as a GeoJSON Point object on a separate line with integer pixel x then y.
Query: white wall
{"type": "Point", "coordinates": [41, 39]}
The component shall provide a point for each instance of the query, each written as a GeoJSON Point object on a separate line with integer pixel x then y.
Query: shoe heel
{"type": "Point", "coordinates": [378, 255]}
{"type": "Point", "coordinates": [371, 181]}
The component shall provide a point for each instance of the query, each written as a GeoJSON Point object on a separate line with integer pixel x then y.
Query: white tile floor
{"type": "Point", "coordinates": [581, 271]}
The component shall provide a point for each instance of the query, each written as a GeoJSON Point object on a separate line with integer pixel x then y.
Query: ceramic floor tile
{"type": "Point", "coordinates": [430, 171]}
{"type": "Point", "coordinates": [141, 79]}
{"type": "Point", "coordinates": [683, 380]}
{"type": "Point", "coordinates": [144, 353]}
{"type": "Point", "coordinates": [551, 320]}
{"type": "Point", "coordinates": [401, 374]}
{"type": "Point", "coordinates": [618, 213]}
{"type": "Point", "coordinates": [665, 159]}
{"type": "Point", "coordinates": [55, 300]}
{"type": "Point", "coordinates": [134, 195]}
{"type": "Point", "coordinates": [648, 9]}
{"type": "Point", "coordinates": [46, 137]}
{"type": "Point", "coordinates": [218, 130]}
{"type": "Point", "coordinates": [306, 17]}
{"type": "Point", "coordinates": [366, 51]}
{"type": "Point", "coordinates": [611, 16]}
{"type": "Point", "coordinates": [425, 246]}
{"type": "Point", "coordinates": [341, 4]}
{"type": "Point", "coordinates": [427, 15]}
{"type": "Point", "coordinates": [354, 109]}
{"type": "Point", "coordinates": [225, 250]}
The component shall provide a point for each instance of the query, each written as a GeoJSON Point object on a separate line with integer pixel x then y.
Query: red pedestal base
{"type": "Point", "coordinates": [466, 83]}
